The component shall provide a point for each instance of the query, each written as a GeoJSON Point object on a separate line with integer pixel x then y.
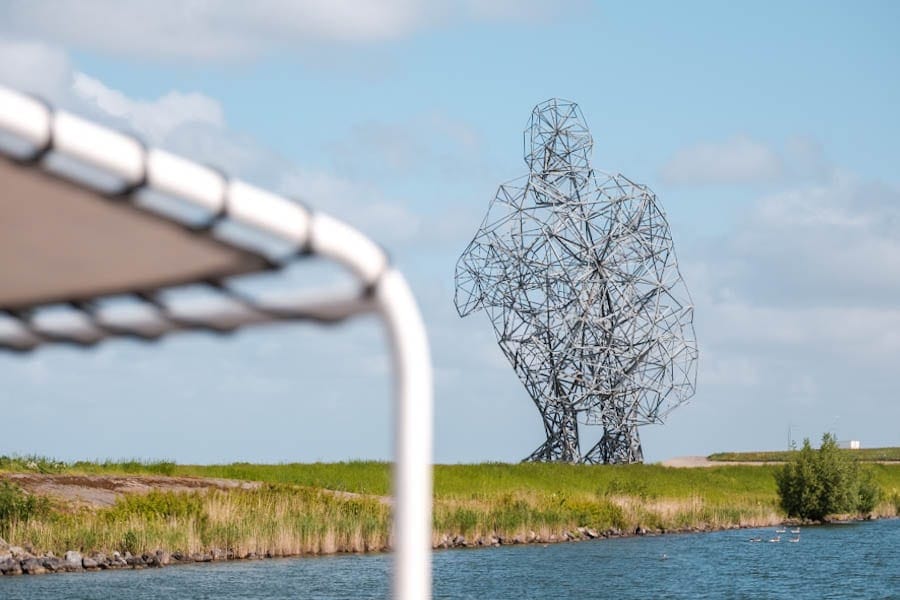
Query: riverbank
{"type": "Point", "coordinates": [826, 563]}
{"type": "Point", "coordinates": [208, 513]}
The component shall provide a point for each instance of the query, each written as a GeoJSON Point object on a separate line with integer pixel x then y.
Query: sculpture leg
{"type": "Point", "coordinates": [620, 444]}
{"type": "Point", "coordinates": [561, 428]}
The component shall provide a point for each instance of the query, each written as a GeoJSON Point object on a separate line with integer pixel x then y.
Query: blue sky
{"type": "Point", "coordinates": [768, 132]}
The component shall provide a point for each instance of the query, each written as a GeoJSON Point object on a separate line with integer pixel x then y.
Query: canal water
{"type": "Point", "coordinates": [854, 560]}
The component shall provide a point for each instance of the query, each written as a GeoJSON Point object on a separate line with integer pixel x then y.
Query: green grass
{"type": "Point", "coordinates": [459, 481]}
{"type": "Point", "coordinates": [291, 514]}
{"type": "Point", "coordinates": [276, 520]}
{"type": "Point", "coordinates": [863, 455]}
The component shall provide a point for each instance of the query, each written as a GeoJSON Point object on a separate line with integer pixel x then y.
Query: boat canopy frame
{"type": "Point", "coordinates": [76, 231]}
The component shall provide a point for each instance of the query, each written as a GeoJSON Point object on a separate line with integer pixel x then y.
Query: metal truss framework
{"type": "Point", "coordinates": [577, 272]}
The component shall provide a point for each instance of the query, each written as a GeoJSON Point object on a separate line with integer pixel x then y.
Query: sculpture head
{"type": "Point", "coordinates": [557, 140]}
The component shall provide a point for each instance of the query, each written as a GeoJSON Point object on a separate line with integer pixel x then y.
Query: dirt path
{"type": "Point", "coordinates": [97, 491]}
{"type": "Point", "coordinates": [692, 462]}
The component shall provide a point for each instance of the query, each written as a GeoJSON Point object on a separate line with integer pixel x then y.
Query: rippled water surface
{"type": "Point", "coordinates": [857, 560]}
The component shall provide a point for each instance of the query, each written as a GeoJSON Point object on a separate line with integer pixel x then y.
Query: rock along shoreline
{"type": "Point", "coordinates": [21, 560]}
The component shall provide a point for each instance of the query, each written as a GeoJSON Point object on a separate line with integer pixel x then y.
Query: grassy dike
{"type": "Point", "coordinates": [864, 455]}
{"type": "Point", "coordinates": [296, 511]}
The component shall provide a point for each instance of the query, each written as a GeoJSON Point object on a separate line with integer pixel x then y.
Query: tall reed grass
{"type": "Point", "coordinates": [274, 520]}
{"type": "Point", "coordinates": [294, 512]}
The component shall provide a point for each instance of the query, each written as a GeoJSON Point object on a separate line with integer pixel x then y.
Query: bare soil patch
{"type": "Point", "coordinates": [693, 462]}
{"type": "Point", "coordinates": [98, 491]}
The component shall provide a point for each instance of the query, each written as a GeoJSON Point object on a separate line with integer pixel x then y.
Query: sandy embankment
{"type": "Point", "coordinates": [692, 462]}
{"type": "Point", "coordinates": [98, 491]}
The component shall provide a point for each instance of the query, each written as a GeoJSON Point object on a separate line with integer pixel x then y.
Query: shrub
{"type": "Point", "coordinates": [131, 542]}
{"type": "Point", "coordinates": [869, 492]}
{"type": "Point", "coordinates": [17, 506]}
{"type": "Point", "coordinates": [157, 505]}
{"type": "Point", "coordinates": [815, 484]}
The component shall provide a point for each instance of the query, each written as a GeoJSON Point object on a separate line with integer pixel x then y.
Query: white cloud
{"type": "Point", "coordinates": [809, 270]}
{"type": "Point", "coordinates": [155, 120]}
{"type": "Point", "coordinates": [797, 318]}
{"type": "Point", "coordinates": [738, 159]}
{"type": "Point", "coordinates": [203, 29]}
{"type": "Point", "coordinates": [212, 30]}
{"type": "Point", "coordinates": [45, 70]}
{"type": "Point", "coordinates": [360, 204]}
{"type": "Point", "coordinates": [36, 67]}
{"type": "Point", "coordinates": [433, 142]}
{"type": "Point", "coordinates": [743, 160]}
{"type": "Point", "coordinates": [823, 245]}
{"type": "Point", "coordinates": [728, 370]}
{"type": "Point", "coordinates": [804, 159]}
{"type": "Point", "coordinates": [861, 334]}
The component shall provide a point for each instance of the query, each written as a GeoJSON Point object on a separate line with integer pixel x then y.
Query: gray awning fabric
{"type": "Point", "coordinates": [70, 241]}
{"type": "Point", "coordinates": [61, 242]}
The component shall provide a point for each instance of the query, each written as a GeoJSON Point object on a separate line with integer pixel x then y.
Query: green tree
{"type": "Point", "coordinates": [797, 482]}
{"type": "Point", "coordinates": [869, 492]}
{"type": "Point", "coordinates": [818, 483]}
{"type": "Point", "coordinates": [838, 476]}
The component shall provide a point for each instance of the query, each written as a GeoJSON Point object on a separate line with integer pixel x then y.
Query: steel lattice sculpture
{"type": "Point", "coordinates": [578, 275]}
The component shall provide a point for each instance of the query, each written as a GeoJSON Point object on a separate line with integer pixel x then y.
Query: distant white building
{"type": "Point", "coordinates": [849, 445]}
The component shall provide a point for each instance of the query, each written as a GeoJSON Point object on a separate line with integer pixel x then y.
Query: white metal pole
{"type": "Point", "coordinates": [413, 414]}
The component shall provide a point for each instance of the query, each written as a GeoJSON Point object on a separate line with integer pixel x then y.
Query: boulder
{"type": "Point", "coordinates": [20, 552]}
{"type": "Point", "coordinates": [163, 558]}
{"type": "Point", "coordinates": [5, 555]}
{"type": "Point", "coordinates": [202, 557]}
{"type": "Point", "coordinates": [135, 562]}
{"type": "Point", "coordinates": [153, 561]}
{"type": "Point", "coordinates": [73, 560]}
{"type": "Point", "coordinates": [33, 566]}
{"type": "Point", "coordinates": [219, 554]}
{"type": "Point", "coordinates": [53, 564]}
{"type": "Point", "coordinates": [117, 561]}
{"type": "Point", "coordinates": [89, 564]}
{"type": "Point", "coordinates": [10, 566]}
{"type": "Point", "coordinates": [101, 559]}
